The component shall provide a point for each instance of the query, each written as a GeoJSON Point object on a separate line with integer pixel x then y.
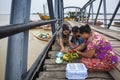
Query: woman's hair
{"type": "Point", "coordinates": [65, 27]}
{"type": "Point", "coordinates": [75, 29]}
{"type": "Point", "coordinates": [85, 29]}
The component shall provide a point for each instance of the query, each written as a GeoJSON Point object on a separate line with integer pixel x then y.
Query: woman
{"type": "Point", "coordinates": [99, 55]}
{"type": "Point", "coordinates": [63, 37]}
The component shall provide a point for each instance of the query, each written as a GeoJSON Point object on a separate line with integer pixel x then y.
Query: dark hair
{"type": "Point", "coordinates": [75, 29]}
{"type": "Point", "coordinates": [65, 27]}
{"type": "Point", "coordinates": [85, 28]}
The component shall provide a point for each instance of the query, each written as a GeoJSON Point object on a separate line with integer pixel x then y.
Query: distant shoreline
{"type": "Point", "coordinates": [30, 14]}
{"type": "Point", "coordinates": [66, 13]}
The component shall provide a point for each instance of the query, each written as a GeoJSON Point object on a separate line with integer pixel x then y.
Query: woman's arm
{"type": "Point", "coordinates": [88, 54]}
{"type": "Point", "coordinates": [80, 47]}
{"type": "Point", "coordinates": [70, 43]}
{"type": "Point", "coordinates": [61, 45]}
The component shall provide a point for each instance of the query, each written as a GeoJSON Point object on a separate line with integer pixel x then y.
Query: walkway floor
{"type": "Point", "coordinates": [53, 71]}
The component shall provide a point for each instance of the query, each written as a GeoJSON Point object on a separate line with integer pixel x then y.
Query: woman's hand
{"type": "Point", "coordinates": [63, 50]}
{"type": "Point", "coordinates": [73, 46]}
{"type": "Point", "coordinates": [80, 47]}
{"type": "Point", "coordinates": [88, 54]}
{"type": "Point", "coordinates": [79, 52]}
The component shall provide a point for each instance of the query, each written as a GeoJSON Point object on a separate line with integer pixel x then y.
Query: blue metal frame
{"type": "Point", "coordinates": [16, 63]}
{"type": "Point", "coordinates": [86, 5]}
{"type": "Point", "coordinates": [83, 14]}
{"type": "Point", "coordinates": [51, 13]}
{"type": "Point", "coordinates": [92, 15]}
{"type": "Point", "coordinates": [62, 8]}
{"type": "Point", "coordinates": [56, 12]}
{"type": "Point", "coordinates": [105, 16]}
{"type": "Point", "coordinates": [72, 7]}
{"type": "Point", "coordinates": [89, 12]}
{"type": "Point", "coordinates": [98, 11]}
{"type": "Point", "coordinates": [116, 10]}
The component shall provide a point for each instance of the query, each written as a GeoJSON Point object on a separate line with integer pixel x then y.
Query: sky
{"type": "Point", "coordinates": [37, 5]}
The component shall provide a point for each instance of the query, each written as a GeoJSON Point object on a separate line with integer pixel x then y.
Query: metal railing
{"type": "Point", "coordinates": [90, 2]}
{"type": "Point", "coordinates": [38, 65]}
{"type": "Point", "coordinates": [9, 30]}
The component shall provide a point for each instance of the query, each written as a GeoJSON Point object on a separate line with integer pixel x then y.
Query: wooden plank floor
{"type": "Point", "coordinates": [107, 32]}
{"type": "Point", "coordinates": [55, 71]}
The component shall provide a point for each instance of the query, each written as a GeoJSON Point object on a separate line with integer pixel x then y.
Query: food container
{"type": "Point", "coordinates": [58, 60]}
{"type": "Point", "coordinates": [59, 54]}
{"type": "Point", "coordinates": [76, 71]}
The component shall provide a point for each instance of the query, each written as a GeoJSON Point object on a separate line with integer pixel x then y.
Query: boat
{"type": "Point", "coordinates": [43, 36]}
{"type": "Point", "coordinates": [47, 27]}
{"type": "Point", "coordinates": [69, 19]}
{"type": "Point", "coordinates": [43, 17]}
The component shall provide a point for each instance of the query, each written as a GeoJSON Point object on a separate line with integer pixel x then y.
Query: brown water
{"type": "Point", "coordinates": [34, 48]}
{"type": "Point", "coordinates": [3, 45]}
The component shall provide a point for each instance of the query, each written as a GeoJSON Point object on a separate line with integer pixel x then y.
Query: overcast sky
{"type": "Point", "coordinates": [37, 5]}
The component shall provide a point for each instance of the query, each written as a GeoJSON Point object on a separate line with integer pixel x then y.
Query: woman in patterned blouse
{"type": "Point", "coordinates": [99, 54]}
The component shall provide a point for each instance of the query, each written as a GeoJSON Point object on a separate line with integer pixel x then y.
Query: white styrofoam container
{"type": "Point", "coordinates": [76, 71]}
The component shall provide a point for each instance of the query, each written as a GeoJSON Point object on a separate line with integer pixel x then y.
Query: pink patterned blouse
{"type": "Point", "coordinates": [103, 48]}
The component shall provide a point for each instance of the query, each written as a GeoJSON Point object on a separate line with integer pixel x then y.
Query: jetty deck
{"type": "Point", "coordinates": [53, 71]}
